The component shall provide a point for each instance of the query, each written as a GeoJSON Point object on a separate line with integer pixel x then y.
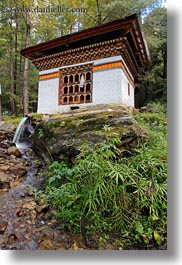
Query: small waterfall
{"type": "Point", "coordinates": [26, 142]}
{"type": "Point", "coordinates": [23, 131]}
{"type": "Point", "coordinates": [19, 130]}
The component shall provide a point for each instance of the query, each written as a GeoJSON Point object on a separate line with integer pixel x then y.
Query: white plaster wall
{"type": "Point", "coordinates": [48, 96]}
{"type": "Point", "coordinates": [126, 99]}
{"type": "Point", "coordinates": [107, 86]}
{"type": "Point", "coordinates": [111, 86]}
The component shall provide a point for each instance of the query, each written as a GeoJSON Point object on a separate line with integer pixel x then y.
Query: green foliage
{"type": "Point", "coordinates": [12, 120]}
{"type": "Point", "coordinates": [102, 240]}
{"type": "Point", "coordinates": [159, 108]}
{"type": "Point", "coordinates": [105, 191]}
{"type": "Point", "coordinates": [154, 80]}
{"type": "Point", "coordinates": [118, 9]}
{"type": "Point", "coordinates": [58, 171]}
{"type": "Point", "coordinates": [41, 133]}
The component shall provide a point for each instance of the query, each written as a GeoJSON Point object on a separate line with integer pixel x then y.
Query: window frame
{"type": "Point", "coordinates": [78, 94]}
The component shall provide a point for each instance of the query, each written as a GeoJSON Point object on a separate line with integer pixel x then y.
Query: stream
{"type": "Point", "coordinates": [26, 223]}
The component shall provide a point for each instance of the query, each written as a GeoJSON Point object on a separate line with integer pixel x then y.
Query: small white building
{"type": "Point", "coordinates": [90, 67]}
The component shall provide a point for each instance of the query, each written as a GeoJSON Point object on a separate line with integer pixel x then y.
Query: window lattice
{"type": "Point", "coordinates": [70, 91]}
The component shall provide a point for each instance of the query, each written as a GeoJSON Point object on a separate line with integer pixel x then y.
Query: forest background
{"type": "Point", "coordinates": [25, 23]}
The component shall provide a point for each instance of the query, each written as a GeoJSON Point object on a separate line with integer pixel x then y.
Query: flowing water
{"type": "Point", "coordinates": [21, 137]}
{"type": "Point", "coordinates": [25, 221]}
{"type": "Point", "coordinates": [19, 130]}
{"type": "Point", "coordinates": [18, 216]}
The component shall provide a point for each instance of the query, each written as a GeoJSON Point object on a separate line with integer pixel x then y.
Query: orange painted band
{"type": "Point", "coordinates": [95, 68]}
{"type": "Point", "coordinates": [48, 76]}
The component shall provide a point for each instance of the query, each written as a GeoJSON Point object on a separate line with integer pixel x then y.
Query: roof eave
{"type": "Point", "coordinates": [64, 40]}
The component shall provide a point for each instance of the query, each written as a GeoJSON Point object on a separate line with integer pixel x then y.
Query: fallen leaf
{"type": "Point", "coordinates": [41, 208]}
{"type": "Point", "coordinates": [30, 205]}
{"type": "Point", "coordinates": [157, 237]}
{"type": "Point", "coordinates": [13, 184]}
{"type": "Point", "coordinates": [144, 236]}
{"type": "Point", "coordinates": [75, 247]}
{"type": "Point", "coordinates": [20, 213]}
{"type": "Point", "coordinates": [3, 226]}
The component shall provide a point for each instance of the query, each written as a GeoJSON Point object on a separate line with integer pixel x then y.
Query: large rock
{"type": "Point", "coordinates": [3, 177]}
{"type": "Point", "coordinates": [64, 134]}
{"type": "Point", "coordinates": [13, 150]}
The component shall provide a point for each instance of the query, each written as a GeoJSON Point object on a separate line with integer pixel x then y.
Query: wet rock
{"type": "Point", "coordinates": [2, 151]}
{"type": "Point", "coordinates": [46, 245]}
{"type": "Point", "coordinates": [3, 177]}
{"type": "Point", "coordinates": [47, 233]}
{"type": "Point", "coordinates": [32, 244]}
{"type": "Point", "coordinates": [12, 238]}
{"type": "Point", "coordinates": [19, 169]}
{"type": "Point", "coordinates": [4, 168]}
{"type": "Point", "coordinates": [3, 226]}
{"type": "Point", "coordinates": [13, 150]}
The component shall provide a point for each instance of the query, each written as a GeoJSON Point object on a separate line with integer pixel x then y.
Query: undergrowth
{"type": "Point", "coordinates": [105, 191]}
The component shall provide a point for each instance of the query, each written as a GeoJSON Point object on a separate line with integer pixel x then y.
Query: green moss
{"type": "Point", "coordinates": [65, 133]}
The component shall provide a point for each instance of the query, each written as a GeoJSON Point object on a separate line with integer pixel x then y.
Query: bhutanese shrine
{"type": "Point", "coordinates": [94, 66]}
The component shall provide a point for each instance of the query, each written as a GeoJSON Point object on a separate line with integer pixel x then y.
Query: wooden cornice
{"type": "Point", "coordinates": [127, 27]}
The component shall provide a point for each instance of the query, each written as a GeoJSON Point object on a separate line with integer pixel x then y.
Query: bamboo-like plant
{"type": "Point", "coordinates": [112, 192]}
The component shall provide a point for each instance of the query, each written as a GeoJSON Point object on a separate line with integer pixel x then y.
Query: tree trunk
{"type": "Point", "coordinates": [25, 87]}
{"type": "Point", "coordinates": [15, 63]}
{"type": "Point", "coordinates": [99, 13]}
{"type": "Point", "coordinates": [25, 73]}
{"type": "Point", "coordinates": [12, 102]}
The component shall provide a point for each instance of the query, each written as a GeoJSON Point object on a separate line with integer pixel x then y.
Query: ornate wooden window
{"type": "Point", "coordinates": [65, 79]}
{"type": "Point", "coordinates": [70, 89]}
{"type": "Point", "coordinates": [65, 90]}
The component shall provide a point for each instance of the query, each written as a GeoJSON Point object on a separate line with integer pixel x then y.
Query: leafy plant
{"type": "Point", "coordinates": [41, 133]}
{"type": "Point", "coordinates": [105, 191]}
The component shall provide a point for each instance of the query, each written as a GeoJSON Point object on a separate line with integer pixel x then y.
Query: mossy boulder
{"type": "Point", "coordinates": [64, 134]}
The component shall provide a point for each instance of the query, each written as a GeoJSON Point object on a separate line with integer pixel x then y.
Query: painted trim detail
{"type": "Point", "coordinates": [107, 66]}
{"type": "Point", "coordinates": [100, 67]}
{"type": "Point", "coordinates": [49, 76]}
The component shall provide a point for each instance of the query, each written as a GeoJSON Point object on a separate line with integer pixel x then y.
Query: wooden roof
{"type": "Point", "coordinates": [127, 28]}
